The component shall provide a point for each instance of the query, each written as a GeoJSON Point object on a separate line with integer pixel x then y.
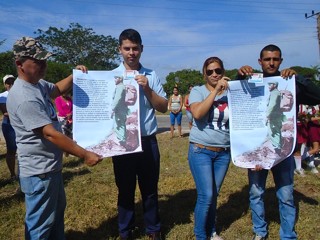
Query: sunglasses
{"type": "Point", "coordinates": [209, 72]}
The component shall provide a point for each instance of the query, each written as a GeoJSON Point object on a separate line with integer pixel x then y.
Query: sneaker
{"type": "Point", "coordinates": [299, 172]}
{"type": "Point", "coordinates": [215, 236]}
{"type": "Point", "coordinates": [257, 237]}
{"type": "Point", "coordinates": [314, 170]}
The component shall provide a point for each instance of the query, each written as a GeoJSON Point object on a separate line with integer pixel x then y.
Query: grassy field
{"type": "Point", "coordinates": [92, 197]}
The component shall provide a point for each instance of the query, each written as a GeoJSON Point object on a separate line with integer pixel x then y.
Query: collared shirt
{"type": "Point", "coordinates": [148, 121]}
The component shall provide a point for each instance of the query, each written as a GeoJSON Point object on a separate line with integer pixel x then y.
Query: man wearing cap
{"type": "Point", "coordinates": [270, 61]}
{"type": "Point", "coordinates": [274, 117]}
{"type": "Point", "coordinates": [39, 140]}
{"type": "Point", "coordinates": [7, 130]}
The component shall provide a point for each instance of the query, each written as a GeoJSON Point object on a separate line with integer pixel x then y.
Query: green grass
{"type": "Point", "coordinates": [91, 212]}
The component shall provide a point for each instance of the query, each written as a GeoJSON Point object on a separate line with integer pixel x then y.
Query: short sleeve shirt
{"type": "Point", "coordinates": [148, 121]}
{"type": "Point", "coordinates": [30, 107]}
{"type": "Point", "coordinates": [213, 128]}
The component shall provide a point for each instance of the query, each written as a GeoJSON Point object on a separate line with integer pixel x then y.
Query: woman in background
{"type": "Point", "coordinates": [186, 104]}
{"type": "Point", "coordinates": [7, 130]}
{"type": "Point", "coordinates": [175, 108]}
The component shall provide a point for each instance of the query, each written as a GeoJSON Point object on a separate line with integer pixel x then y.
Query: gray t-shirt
{"type": "Point", "coordinates": [30, 107]}
{"type": "Point", "coordinates": [213, 128]}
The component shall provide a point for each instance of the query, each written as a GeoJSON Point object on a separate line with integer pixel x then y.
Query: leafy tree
{"type": "Point", "coordinates": [182, 79]}
{"type": "Point", "coordinates": [79, 45]}
{"type": "Point", "coordinates": [186, 77]}
{"type": "Point", "coordinates": [7, 66]}
{"type": "Point", "coordinates": [310, 73]}
{"type": "Point", "coordinates": [57, 71]}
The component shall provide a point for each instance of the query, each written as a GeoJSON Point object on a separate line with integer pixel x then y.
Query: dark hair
{"type": "Point", "coordinates": [271, 48]}
{"type": "Point", "coordinates": [130, 34]}
{"type": "Point", "coordinates": [210, 60]}
{"type": "Point", "coordinates": [10, 81]}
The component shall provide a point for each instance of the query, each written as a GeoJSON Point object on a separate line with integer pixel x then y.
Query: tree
{"type": "Point", "coordinates": [7, 66]}
{"type": "Point", "coordinates": [186, 77]}
{"type": "Point", "coordinates": [182, 79]}
{"type": "Point", "coordinates": [57, 71]}
{"type": "Point", "coordinates": [79, 45]}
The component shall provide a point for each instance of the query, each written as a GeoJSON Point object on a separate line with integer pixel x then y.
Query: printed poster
{"type": "Point", "coordinates": [106, 112]}
{"type": "Point", "coordinates": [262, 121]}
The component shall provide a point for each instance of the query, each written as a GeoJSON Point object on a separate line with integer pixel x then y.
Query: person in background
{"type": "Point", "coordinates": [302, 139]}
{"type": "Point", "coordinates": [39, 140]}
{"type": "Point", "coordinates": [186, 104]}
{"type": "Point", "coordinates": [144, 166]}
{"type": "Point", "coordinates": [313, 138]}
{"type": "Point", "coordinates": [175, 107]}
{"type": "Point", "coordinates": [7, 130]}
{"type": "Point", "coordinates": [209, 149]}
{"type": "Point", "coordinates": [270, 61]}
{"type": "Point", "coordinates": [64, 106]}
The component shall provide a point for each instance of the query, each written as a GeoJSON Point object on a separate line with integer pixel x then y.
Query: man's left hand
{"type": "Point", "coordinates": [288, 73]}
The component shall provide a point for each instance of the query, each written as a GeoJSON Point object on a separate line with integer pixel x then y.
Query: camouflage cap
{"type": "Point", "coordinates": [30, 47]}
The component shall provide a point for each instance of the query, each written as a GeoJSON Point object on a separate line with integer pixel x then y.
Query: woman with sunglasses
{"type": "Point", "coordinates": [209, 150]}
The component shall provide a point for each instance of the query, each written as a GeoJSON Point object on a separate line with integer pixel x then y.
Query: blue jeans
{"type": "Point", "coordinates": [208, 169]}
{"type": "Point", "coordinates": [45, 201]}
{"type": "Point", "coordinates": [143, 167]}
{"type": "Point", "coordinates": [9, 136]}
{"type": "Point", "coordinates": [174, 117]}
{"type": "Point", "coordinates": [283, 179]}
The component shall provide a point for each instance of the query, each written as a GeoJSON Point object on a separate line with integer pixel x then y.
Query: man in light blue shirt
{"type": "Point", "coordinates": [145, 165]}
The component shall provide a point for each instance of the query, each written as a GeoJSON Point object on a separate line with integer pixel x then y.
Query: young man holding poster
{"type": "Point", "coordinates": [145, 165]}
{"type": "Point", "coordinates": [270, 61]}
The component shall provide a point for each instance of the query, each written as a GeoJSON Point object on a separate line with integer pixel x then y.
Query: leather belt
{"type": "Point", "coordinates": [214, 149]}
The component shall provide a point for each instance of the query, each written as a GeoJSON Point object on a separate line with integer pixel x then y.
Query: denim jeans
{"type": "Point", "coordinates": [45, 201]}
{"type": "Point", "coordinates": [143, 167]}
{"type": "Point", "coordinates": [283, 179]}
{"type": "Point", "coordinates": [208, 169]}
{"type": "Point", "coordinates": [174, 117]}
{"type": "Point", "coordinates": [9, 136]}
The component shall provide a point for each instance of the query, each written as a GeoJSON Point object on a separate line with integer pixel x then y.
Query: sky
{"type": "Point", "coordinates": [180, 34]}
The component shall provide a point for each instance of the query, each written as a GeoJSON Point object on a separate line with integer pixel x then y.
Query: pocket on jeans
{"type": "Point", "coordinates": [31, 185]}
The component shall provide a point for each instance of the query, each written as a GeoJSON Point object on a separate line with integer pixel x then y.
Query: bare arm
{"type": "Point", "coordinates": [200, 109]}
{"type": "Point", "coordinates": [169, 103]}
{"type": "Point", "coordinates": [65, 85]}
{"type": "Point", "coordinates": [181, 103]}
{"type": "Point", "coordinates": [67, 144]}
{"type": "Point", "coordinates": [3, 109]}
{"type": "Point", "coordinates": [186, 100]}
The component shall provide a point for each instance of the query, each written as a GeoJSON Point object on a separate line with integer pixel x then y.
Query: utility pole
{"type": "Point", "coordinates": [318, 24]}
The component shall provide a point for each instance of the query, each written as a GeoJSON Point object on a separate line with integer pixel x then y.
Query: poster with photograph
{"type": "Point", "coordinates": [262, 121]}
{"type": "Point", "coordinates": [106, 112]}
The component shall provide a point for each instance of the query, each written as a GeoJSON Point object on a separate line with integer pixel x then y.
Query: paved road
{"type": "Point", "coordinates": [164, 124]}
